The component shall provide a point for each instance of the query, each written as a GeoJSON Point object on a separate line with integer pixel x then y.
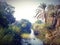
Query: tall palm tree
{"type": "Point", "coordinates": [42, 6]}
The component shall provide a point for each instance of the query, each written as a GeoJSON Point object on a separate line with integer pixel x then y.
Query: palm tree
{"type": "Point", "coordinates": [41, 6]}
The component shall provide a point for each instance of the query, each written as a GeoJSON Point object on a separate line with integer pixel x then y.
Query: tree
{"type": "Point", "coordinates": [10, 35]}
{"type": "Point", "coordinates": [50, 7]}
{"type": "Point", "coordinates": [52, 21]}
{"type": "Point", "coordinates": [24, 25]}
{"type": "Point", "coordinates": [42, 6]}
{"type": "Point", "coordinates": [57, 6]}
{"type": "Point", "coordinates": [53, 30]}
{"type": "Point", "coordinates": [53, 12]}
{"type": "Point", "coordinates": [6, 14]}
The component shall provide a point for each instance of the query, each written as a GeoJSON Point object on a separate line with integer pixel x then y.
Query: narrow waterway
{"type": "Point", "coordinates": [32, 40]}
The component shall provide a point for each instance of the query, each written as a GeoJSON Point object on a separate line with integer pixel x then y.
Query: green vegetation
{"type": "Point", "coordinates": [11, 31]}
{"type": "Point", "coordinates": [51, 28]}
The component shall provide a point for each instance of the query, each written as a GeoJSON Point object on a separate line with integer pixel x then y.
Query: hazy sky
{"type": "Point", "coordinates": [39, 1]}
{"type": "Point", "coordinates": [26, 8]}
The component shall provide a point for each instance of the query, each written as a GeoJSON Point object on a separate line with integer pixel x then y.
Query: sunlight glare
{"type": "Point", "coordinates": [26, 11]}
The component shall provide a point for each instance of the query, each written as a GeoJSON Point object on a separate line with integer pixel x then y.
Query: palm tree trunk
{"type": "Point", "coordinates": [45, 16]}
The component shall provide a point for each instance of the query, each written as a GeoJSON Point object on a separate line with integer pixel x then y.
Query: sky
{"type": "Point", "coordinates": [26, 9]}
{"type": "Point", "coordinates": [39, 1]}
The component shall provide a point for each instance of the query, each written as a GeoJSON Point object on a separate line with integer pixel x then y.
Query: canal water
{"type": "Point", "coordinates": [32, 40]}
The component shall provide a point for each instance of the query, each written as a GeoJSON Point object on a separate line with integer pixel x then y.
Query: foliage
{"type": "Point", "coordinates": [25, 35]}
{"type": "Point", "coordinates": [53, 15]}
{"type": "Point", "coordinates": [6, 14]}
{"type": "Point", "coordinates": [14, 28]}
{"type": "Point", "coordinates": [5, 37]}
{"type": "Point", "coordinates": [43, 6]}
{"type": "Point", "coordinates": [25, 26]}
{"type": "Point", "coordinates": [39, 30]}
{"type": "Point", "coordinates": [52, 24]}
{"type": "Point", "coordinates": [41, 13]}
{"type": "Point", "coordinates": [50, 7]}
{"type": "Point", "coordinates": [10, 36]}
{"type": "Point", "coordinates": [39, 22]}
{"type": "Point", "coordinates": [38, 25]}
